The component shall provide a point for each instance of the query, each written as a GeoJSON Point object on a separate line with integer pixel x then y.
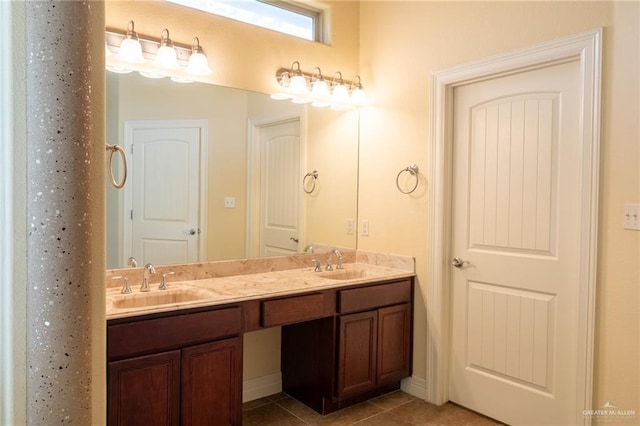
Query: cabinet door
{"type": "Point", "coordinates": [394, 343]}
{"type": "Point", "coordinates": [212, 383]}
{"type": "Point", "coordinates": [144, 390]}
{"type": "Point", "coordinates": [357, 353]}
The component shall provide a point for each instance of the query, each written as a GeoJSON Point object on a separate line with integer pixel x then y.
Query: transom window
{"type": "Point", "coordinates": [287, 17]}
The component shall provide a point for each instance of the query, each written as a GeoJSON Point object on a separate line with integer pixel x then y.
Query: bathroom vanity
{"type": "Point", "coordinates": [346, 337]}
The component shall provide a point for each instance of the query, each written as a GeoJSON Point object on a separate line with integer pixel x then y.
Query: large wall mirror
{"type": "Point", "coordinates": [217, 173]}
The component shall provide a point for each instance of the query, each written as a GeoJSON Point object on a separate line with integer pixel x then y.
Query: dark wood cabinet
{"type": "Point", "coordinates": [340, 346]}
{"type": "Point", "coordinates": [357, 353]}
{"type": "Point", "coordinates": [194, 379]}
{"type": "Point", "coordinates": [373, 349]}
{"type": "Point", "coordinates": [145, 390]}
{"type": "Point", "coordinates": [394, 343]}
{"type": "Point", "coordinates": [211, 383]}
{"type": "Point", "coordinates": [332, 363]}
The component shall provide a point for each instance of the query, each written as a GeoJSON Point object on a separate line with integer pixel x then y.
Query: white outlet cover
{"type": "Point", "coordinates": [229, 202]}
{"type": "Point", "coordinates": [632, 216]}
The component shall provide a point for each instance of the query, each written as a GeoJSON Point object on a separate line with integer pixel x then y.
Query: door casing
{"type": "Point", "coordinates": [587, 47]}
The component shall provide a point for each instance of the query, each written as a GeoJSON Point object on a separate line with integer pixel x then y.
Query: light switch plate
{"type": "Point", "coordinates": [349, 227]}
{"type": "Point", "coordinates": [229, 202]}
{"type": "Point", "coordinates": [632, 216]}
{"type": "Point", "coordinates": [365, 227]}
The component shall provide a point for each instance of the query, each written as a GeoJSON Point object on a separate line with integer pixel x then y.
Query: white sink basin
{"type": "Point", "coordinates": [159, 297]}
{"type": "Point", "coordinates": [344, 274]}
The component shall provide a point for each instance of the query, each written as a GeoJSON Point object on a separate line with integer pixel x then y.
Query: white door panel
{"type": "Point", "coordinates": [165, 192]}
{"type": "Point", "coordinates": [280, 195]}
{"type": "Point", "coordinates": [516, 210]}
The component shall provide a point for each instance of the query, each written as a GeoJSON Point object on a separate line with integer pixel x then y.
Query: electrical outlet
{"type": "Point", "coordinates": [365, 227]}
{"type": "Point", "coordinates": [229, 202]}
{"type": "Point", "coordinates": [349, 227]}
{"type": "Point", "coordinates": [632, 216]}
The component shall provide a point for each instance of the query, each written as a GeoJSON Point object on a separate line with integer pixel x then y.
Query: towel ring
{"type": "Point", "coordinates": [314, 176]}
{"type": "Point", "coordinates": [413, 170]}
{"type": "Point", "coordinates": [117, 148]}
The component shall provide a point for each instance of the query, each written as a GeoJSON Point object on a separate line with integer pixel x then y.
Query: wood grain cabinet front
{"type": "Point", "coordinates": [335, 362]}
{"type": "Point", "coordinates": [191, 385]}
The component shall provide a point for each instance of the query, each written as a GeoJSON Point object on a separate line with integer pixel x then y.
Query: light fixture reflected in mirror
{"type": "Point", "coordinates": [301, 87]}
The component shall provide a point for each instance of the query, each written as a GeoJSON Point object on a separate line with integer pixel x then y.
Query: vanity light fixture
{"type": "Point", "coordinates": [298, 85]}
{"type": "Point", "coordinates": [155, 59]}
{"type": "Point", "coordinates": [358, 95]}
{"type": "Point", "coordinates": [319, 89]}
{"type": "Point", "coordinates": [130, 48]}
{"type": "Point", "coordinates": [198, 63]}
{"type": "Point", "coordinates": [301, 87]}
{"type": "Point", "coordinates": [339, 93]}
{"type": "Point", "coordinates": [166, 56]}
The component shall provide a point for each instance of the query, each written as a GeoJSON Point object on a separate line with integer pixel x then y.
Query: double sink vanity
{"type": "Point", "coordinates": [175, 356]}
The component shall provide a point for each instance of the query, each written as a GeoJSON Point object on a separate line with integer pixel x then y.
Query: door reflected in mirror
{"type": "Point", "coordinates": [217, 173]}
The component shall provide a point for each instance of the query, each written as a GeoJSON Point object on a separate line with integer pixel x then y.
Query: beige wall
{"type": "Point", "coordinates": [402, 43]}
{"type": "Point", "coordinates": [240, 55]}
{"type": "Point", "coordinates": [396, 46]}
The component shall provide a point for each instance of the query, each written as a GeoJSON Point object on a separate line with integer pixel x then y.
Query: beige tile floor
{"type": "Point", "coordinates": [396, 408]}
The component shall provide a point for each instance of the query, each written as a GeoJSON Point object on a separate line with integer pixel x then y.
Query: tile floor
{"type": "Point", "coordinates": [395, 408]}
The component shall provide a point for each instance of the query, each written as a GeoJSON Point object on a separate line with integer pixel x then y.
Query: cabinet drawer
{"type": "Point", "coordinates": [154, 335]}
{"type": "Point", "coordinates": [363, 298]}
{"type": "Point", "coordinates": [292, 309]}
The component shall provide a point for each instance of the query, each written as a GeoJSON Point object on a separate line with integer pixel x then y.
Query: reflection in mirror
{"type": "Point", "coordinates": [217, 173]}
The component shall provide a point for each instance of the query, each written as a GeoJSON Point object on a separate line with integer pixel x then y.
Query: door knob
{"type": "Point", "coordinates": [192, 231]}
{"type": "Point", "coordinates": [458, 262]}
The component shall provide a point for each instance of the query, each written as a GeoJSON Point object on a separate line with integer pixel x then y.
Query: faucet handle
{"type": "Point", "coordinates": [317, 267]}
{"type": "Point", "coordinates": [125, 288]}
{"type": "Point", "coordinates": [163, 283]}
{"type": "Point", "coordinates": [328, 267]}
{"type": "Point", "coordinates": [132, 262]}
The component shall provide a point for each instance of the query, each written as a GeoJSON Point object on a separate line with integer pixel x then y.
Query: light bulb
{"type": "Point", "coordinates": [358, 96]}
{"type": "Point", "coordinates": [166, 56]}
{"type": "Point", "coordinates": [320, 93]}
{"type": "Point", "coordinates": [198, 63]}
{"type": "Point", "coordinates": [130, 48]}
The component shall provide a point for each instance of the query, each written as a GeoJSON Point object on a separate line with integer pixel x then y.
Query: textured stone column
{"type": "Point", "coordinates": [65, 207]}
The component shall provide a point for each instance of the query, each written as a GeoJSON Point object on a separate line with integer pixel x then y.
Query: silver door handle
{"type": "Point", "coordinates": [192, 231]}
{"type": "Point", "coordinates": [295, 240]}
{"type": "Point", "coordinates": [458, 262]}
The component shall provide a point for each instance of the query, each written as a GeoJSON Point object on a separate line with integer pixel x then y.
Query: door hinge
{"type": "Point", "coordinates": [131, 149]}
{"type": "Point", "coordinates": [131, 214]}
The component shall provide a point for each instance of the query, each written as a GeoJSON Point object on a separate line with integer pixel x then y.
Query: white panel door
{"type": "Point", "coordinates": [280, 193]}
{"type": "Point", "coordinates": [165, 193]}
{"type": "Point", "coordinates": [516, 214]}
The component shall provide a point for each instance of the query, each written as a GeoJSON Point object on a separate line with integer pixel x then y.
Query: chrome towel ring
{"type": "Point", "coordinates": [314, 176]}
{"type": "Point", "coordinates": [117, 148]}
{"type": "Point", "coordinates": [413, 170]}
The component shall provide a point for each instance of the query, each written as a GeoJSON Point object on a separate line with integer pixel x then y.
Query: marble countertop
{"type": "Point", "coordinates": [213, 291]}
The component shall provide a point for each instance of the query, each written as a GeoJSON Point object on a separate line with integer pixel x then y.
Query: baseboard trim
{"type": "Point", "coordinates": [261, 387]}
{"type": "Point", "coordinates": [415, 386]}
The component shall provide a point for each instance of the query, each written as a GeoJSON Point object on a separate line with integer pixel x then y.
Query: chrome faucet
{"type": "Point", "coordinates": [132, 262]}
{"type": "Point", "coordinates": [163, 283]}
{"type": "Point", "coordinates": [149, 269]}
{"type": "Point", "coordinates": [317, 267]}
{"type": "Point", "coordinates": [339, 256]}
